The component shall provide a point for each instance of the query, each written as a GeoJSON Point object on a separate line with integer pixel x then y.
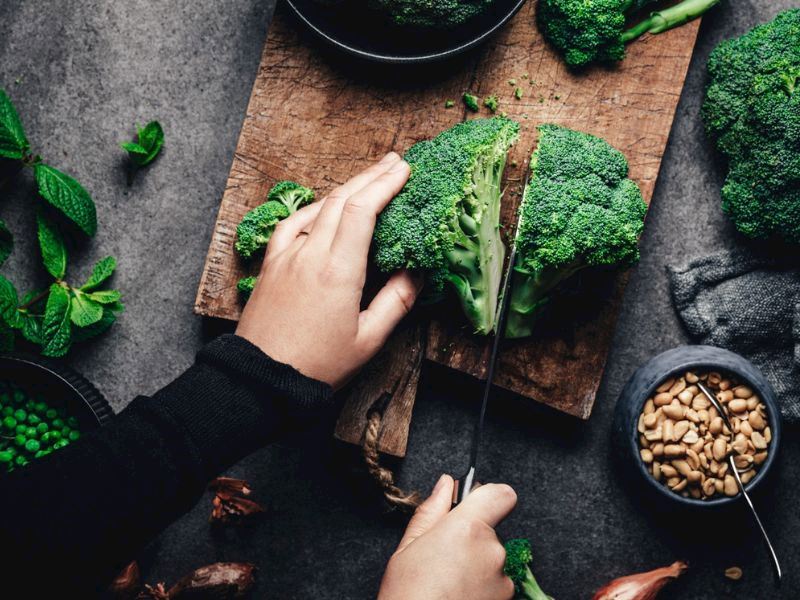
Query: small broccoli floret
{"type": "Point", "coordinates": [246, 285]}
{"type": "Point", "coordinates": [446, 220]}
{"type": "Point", "coordinates": [449, 103]}
{"type": "Point", "coordinates": [432, 14]}
{"type": "Point", "coordinates": [752, 113]}
{"type": "Point", "coordinates": [517, 567]}
{"type": "Point", "coordinates": [579, 210]}
{"type": "Point", "coordinates": [471, 102]}
{"type": "Point", "coordinates": [491, 102]}
{"type": "Point", "coordinates": [586, 32]}
{"type": "Point", "coordinates": [256, 227]}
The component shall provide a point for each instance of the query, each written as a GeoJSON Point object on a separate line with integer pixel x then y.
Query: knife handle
{"type": "Point", "coordinates": [463, 486]}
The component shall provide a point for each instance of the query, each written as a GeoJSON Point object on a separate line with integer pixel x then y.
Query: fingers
{"type": "Point", "coordinates": [328, 221]}
{"type": "Point", "coordinates": [429, 512]}
{"type": "Point", "coordinates": [390, 305]}
{"type": "Point", "coordinates": [490, 503]}
{"type": "Point", "coordinates": [287, 230]}
{"type": "Point", "coordinates": [354, 234]}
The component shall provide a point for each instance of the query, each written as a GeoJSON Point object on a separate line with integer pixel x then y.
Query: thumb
{"type": "Point", "coordinates": [429, 512]}
{"type": "Point", "coordinates": [390, 305]}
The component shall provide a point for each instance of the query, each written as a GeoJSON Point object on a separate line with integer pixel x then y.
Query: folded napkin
{"type": "Point", "coordinates": [747, 302]}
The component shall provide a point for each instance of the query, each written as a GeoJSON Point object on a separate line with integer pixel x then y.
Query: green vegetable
{"type": "Point", "coordinates": [579, 210]}
{"type": "Point", "coordinates": [752, 114]}
{"type": "Point", "coordinates": [445, 221]}
{"type": "Point", "coordinates": [596, 31]}
{"type": "Point", "coordinates": [518, 93]}
{"type": "Point", "coordinates": [13, 143]}
{"type": "Point", "coordinates": [491, 102]}
{"type": "Point", "coordinates": [150, 140]}
{"type": "Point", "coordinates": [437, 14]}
{"type": "Point", "coordinates": [67, 195]}
{"type": "Point", "coordinates": [246, 285]}
{"type": "Point", "coordinates": [449, 103]}
{"type": "Point", "coordinates": [471, 102]}
{"type": "Point", "coordinates": [518, 558]}
{"type": "Point", "coordinates": [255, 229]}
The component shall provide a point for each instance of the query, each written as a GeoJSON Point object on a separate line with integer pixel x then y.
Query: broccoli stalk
{"type": "Point", "coordinates": [518, 558]}
{"type": "Point", "coordinates": [579, 210]}
{"type": "Point", "coordinates": [587, 32]}
{"type": "Point", "coordinates": [446, 220]}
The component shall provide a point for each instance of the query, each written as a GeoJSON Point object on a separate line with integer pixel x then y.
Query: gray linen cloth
{"type": "Point", "coordinates": [748, 302]}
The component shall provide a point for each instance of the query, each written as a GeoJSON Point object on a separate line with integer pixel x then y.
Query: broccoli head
{"type": "Point", "coordinates": [752, 113]}
{"type": "Point", "coordinates": [246, 285]}
{"type": "Point", "coordinates": [579, 210]}
{"type": "Point", "coordinates": [436, 14]}
{"type": "Point", "coordinates": [518, 569]}
{"type": "Point", "coordinates": [445, 220]}
{"type": "Point", "coordinates": [587, 31]}
{"type": "Point", "coordinates": [255, 229]}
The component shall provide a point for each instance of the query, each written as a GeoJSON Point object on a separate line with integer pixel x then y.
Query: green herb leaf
{"type": "Point", "coordinates": [84, 311]}
{"type": "Point", "coordinates": [68, 196]}
{"type": "Point", "coordinates": [9, 302]}
{"type": "Point", "coordinates": [56, 327]}
{"type": "Point", "coordinates": [54, 251]}
{"type": "Point", "coordinates": [31, 328]}
{"type": "Point", "coordinates": [150, 141]}
{"type": "Point", "coordinates": [103, 269]}
{"type": "Point", "coordinates": [6, 338]}
{"type": "Point", "coordinates": [81, 334]}
{"type": "Point", "coordinates": [13, 143]}
{"type": "Point", "coordinates": [6, 242]}
{"type": "Point", "coordinates": [106, 296]}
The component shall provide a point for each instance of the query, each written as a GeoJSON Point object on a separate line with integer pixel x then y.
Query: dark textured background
{"type": "Point", "coordinates": [83, 71]}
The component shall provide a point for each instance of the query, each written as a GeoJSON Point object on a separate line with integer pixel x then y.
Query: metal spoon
{"type": "Point", "coordinates": [723, 413]}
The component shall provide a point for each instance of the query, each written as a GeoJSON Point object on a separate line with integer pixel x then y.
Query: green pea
{"type": "Point", "coordinates": [20, 460]}
{"type": "Point", "coordinates": [39, 454]}
{"type": "Point", "coordinates": [41, 407]}
{"type": "Point", "coordinates": [8, 411]}
{"type": "Point", "coordinates": [60, 444]}
{"type": "Point", "coordinates": [21, 429]}
{"type": "Point", "coordinates": [29, 405]}
{"type": "Point", "coordinates": [5, 398]}
{"type": "Point", "coordinates": [6, 457]}
{"type": "Point", "coordinates": [72, 422]}
{"type": "Point", "coordinates": [20, 439]}
{"type": "Point", "coordinates": [20, 415]}
{"type": "Point", "coordinates": [32, 445]}
{"type": "Point", "coordinates": [65, 431]}
{"type": "Point", "coordinates": [54, 435]}
{"type": "Point", "coordinates": [19, 396]}
{"type": "Point", "coordinates": [42, 428]}
{"type": "Point", "coordinates": [74, 436]}
{"type": "Point", "coordinates": [51, 414]}
{"type": "Point", "coordinates": [9, 423]}
{"type": "Point", "coordinates": [34, 419]}
{"type": "Point", "coordinates": [31, 432]}
{"type": "Point", "coordinates": [57, 423]}
{"type": "Point", "coordinates": [46, 438]}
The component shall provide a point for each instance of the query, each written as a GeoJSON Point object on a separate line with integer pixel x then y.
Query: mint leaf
{"type": "Point", "coordinates": [54, 252]}
{"type": "Point", "coordinates": [13, 143]}
{"type": "Point", "coordinates": [6, 242]}
{"type": "Point", "coordinates": [103, 269]}
{"type": "Point", "coordinates": [6, 338]}
{"type": "Point", "coordinates": [56, 328]}
{"type": "Point", "coordinates": [106, 296]}
{"type": "Point", "coordinates": [8, 303]}
{"type": "Point", "coordinates": [31, 328]}
{"type": "Point", "coordinates": [68, 196]}
{"type": "Point", "coordinates": [84, 311]}
{"type": "Point", "coordinates": [81, 334]}
{"type": "Point", "coordinates": [150, 140]}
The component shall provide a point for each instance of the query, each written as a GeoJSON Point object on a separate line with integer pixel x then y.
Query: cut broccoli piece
{"type": "Point", "coordinates": [752, 113]}
{"type": "Point", "coordinates": [517, 567]}
{"type": "Point", "coordinates": [446, 219]}
{"type": "Point", "coordinates": [579, 210]}
{"type": "Point", "coordinates": [471, 102]}
{"type": "Point", "coordinates": [595, 30]}
{"type": "Point", "coordinates": [256, 227]}
{"type": "Point", "coordinates": [491, 102]}
{"type": "Point", "coordinates": [449, 103]}
{"type": "Point", "coordinates": [432, 14]}
{"type": "Point", "coordinates": [246, 285]}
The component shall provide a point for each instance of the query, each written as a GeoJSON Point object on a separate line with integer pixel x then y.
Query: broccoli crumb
{"type": "Point", "coordinates": [541, 99]}
{"type": "Point", "coordinates": [512, 82]}
{"type": "Point", "coordinates": [518, 93]}
{"type": "Point", "coordinates": [471, 102]}
{"type": "Point", "coordinates": [557, 97]}
{"type": "Point", "coordinates": [491, 103]}
{"type": "Point", "coordinates": [449, 103]}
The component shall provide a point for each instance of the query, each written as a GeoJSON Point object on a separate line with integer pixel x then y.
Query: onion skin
{"type": "Point", "coordinates": [641, 586]}
{"type": "Point", "coordinates": [126, 585]}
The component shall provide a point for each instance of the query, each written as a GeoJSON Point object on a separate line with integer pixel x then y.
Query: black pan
{"type": "Point", "coordinates": [369, 35]}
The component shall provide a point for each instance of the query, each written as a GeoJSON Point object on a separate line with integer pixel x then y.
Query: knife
{"type": "Point", "coordinates": [465, 483]}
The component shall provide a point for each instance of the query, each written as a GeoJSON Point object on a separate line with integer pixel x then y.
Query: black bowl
{"type": "Point", "coordinates": [675, 362]}
{"type": "Point", "coordinates": [368, 34]}
{"type": "Point", "coordinates": [62, 386]}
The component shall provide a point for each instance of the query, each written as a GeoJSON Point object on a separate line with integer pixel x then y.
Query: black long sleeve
{"type": "Point", "coordinates": [74, 518]}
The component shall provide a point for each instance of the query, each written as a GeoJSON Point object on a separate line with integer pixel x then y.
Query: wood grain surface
{"type": "Point", "coordinates": [317, 117]}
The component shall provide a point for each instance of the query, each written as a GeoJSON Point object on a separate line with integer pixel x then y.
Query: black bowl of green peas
{"type": "Point", "coordinates": [44, 406]}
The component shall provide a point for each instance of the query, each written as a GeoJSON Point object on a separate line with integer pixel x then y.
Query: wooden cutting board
{"type": "Point", "coordinates": [317, 117]}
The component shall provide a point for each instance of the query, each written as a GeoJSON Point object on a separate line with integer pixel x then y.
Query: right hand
{"type": "Point", "coordinates": [454, 554]}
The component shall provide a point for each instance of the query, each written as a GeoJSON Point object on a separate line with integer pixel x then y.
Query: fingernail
{"type": "Point", "coordinates": [400, 165]}
{"type": "Point", "coordinates": [389, 158]}
{"type": "Point", "coordinates": [439, 485]}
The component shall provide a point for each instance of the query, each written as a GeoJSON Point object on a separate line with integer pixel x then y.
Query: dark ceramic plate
{"type": "Point", "coordinates": [60, 385]}
{"type": "Point", "coordinates": [369, 35]}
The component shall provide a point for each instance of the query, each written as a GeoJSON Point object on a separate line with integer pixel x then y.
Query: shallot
{"type": "Point", "coordinates": [641, 586]}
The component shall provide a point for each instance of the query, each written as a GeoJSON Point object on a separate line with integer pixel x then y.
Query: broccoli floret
{"type": "Point", "coordinates": [752, 113]}
{"type": "Point", "coordinates": [517, 567]}
{"type": "Point", "coordinates": [449, 103]}
{"type": "Point", "coordinates": [436, 14]}
{"type": "Point", "coordinates": [446, 219]}
{"type": "Point", "coordinates": [491, 102]}
{"type": "Point", "coordinates": [471, 102]}
{"type": "Point", "coordinates": [579, 210]}
{"type": "Point", "coordinates": [246, 285]}
{"type": "Point", "coordinates": [595, 31]}
{"type": "Point", "coordinates": [256, 227]}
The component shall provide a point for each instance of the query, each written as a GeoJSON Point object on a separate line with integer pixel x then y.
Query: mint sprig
{"type": "Point", "coordinates": [150, 140]}
{"type": "Point", "coordinates": [13, 143]}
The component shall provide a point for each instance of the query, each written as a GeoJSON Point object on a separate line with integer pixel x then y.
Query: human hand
{"type": "Point", "coordinates": [454, 554]}
{"type": "Point", "coordinates": [305, 310]}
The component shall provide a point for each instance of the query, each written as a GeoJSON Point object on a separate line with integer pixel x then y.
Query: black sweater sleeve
{"type": "Point", "coordinates": [75, 517]}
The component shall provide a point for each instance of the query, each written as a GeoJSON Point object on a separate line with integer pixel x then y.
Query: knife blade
{"type": "Point", "coordinates": [465, 483]}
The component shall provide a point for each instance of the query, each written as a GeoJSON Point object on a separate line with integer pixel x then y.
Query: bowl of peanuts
{"type": "Point", "coordinates": [677, 441]}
